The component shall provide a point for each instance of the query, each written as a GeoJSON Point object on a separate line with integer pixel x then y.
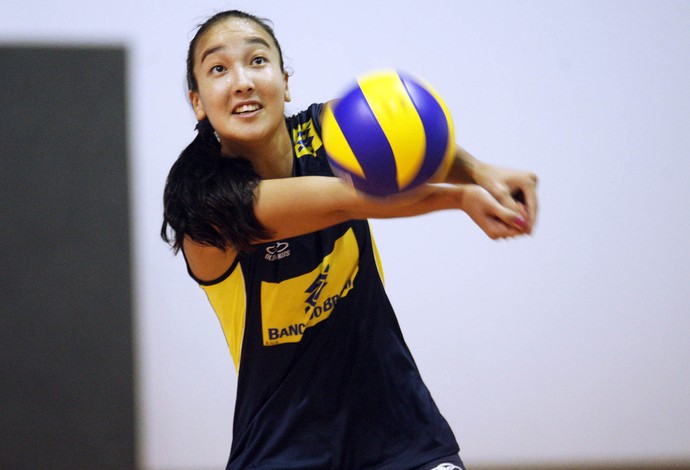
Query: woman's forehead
{"type": "Point", "coordinates": [235, 28]}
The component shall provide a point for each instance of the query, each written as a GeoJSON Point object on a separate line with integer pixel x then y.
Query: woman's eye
{"type": "Point", "coordinates": [217, 69]}
{"type": "Point", "coordinates": [259, 60]}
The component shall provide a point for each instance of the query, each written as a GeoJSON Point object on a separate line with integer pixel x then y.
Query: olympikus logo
{"type": "Point", "coordinates": [277, 251]}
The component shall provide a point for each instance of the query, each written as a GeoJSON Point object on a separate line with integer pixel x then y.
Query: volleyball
{"type": "Point", "coordinates": [388, 133]}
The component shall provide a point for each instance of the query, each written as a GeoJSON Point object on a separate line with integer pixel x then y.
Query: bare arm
{"type": "Point", "coordinates": [295, 206]}
{"type": "Point", "coordinates": [290, 207]}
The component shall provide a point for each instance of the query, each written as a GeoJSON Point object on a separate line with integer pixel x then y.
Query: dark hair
{"type": "Point", "coordinates": [209, 197]}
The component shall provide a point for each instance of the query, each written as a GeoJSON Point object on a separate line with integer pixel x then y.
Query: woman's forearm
{"type": "Point", "coordinates": [464, 168]}
{"type": "Point", "coordinates": [294, 206]}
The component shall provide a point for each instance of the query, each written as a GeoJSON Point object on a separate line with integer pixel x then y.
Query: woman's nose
{"type": "Point", "coordinates": [243, 81]}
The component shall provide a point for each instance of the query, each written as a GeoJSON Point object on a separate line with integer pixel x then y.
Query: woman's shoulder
{"type": "Point", "coordinates": [307, 118]}
{"type": "Point", "coordinates": [305, 132]}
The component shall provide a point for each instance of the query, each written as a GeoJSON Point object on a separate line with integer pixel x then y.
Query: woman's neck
{"type": "Point", "coordinates": [271, 158]}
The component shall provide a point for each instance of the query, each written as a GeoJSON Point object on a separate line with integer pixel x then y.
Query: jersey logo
{"type": "Point", "coordinates": [315, 289]}
{"type": "Point", "coordinates": [290, 307]}
{"type": "Point", "coordinates": [277, 251]}
{"type": "Point", "coordinates": [305, 139]}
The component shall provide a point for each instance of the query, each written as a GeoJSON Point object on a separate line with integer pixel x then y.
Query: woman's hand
{"type": "Point", "coordinates": [514, 189]}
{"type": "Point", "coordinates": [496, 220]}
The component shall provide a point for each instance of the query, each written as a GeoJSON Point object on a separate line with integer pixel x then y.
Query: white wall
{"type": "Point", "coordinates": [570, 345]}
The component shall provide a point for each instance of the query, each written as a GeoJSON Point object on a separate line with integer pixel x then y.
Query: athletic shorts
{"type": "Point", "coordinates": [452, 462]}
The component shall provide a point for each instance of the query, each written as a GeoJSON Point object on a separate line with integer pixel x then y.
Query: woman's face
{"type": "Point", "coordinates": [241, 86]}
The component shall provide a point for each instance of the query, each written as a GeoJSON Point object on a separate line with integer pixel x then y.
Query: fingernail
{"type": "Point", "coordinates": [521, 222]}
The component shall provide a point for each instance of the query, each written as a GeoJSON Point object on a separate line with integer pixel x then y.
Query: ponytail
{"type": "Point", "coordinates": [210, 198]}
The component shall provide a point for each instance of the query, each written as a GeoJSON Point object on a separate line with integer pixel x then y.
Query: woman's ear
{"type": "Point", "coordinates": [197, 106]}
{"type": "Point", "coordinates": [287, 88]}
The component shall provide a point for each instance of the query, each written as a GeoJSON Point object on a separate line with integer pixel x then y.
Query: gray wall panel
{"type": "Point", "coordinates": [66, 379]}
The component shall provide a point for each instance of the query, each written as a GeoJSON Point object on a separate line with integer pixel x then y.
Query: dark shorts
{"type": "Point", "coordinates": [452, 462]}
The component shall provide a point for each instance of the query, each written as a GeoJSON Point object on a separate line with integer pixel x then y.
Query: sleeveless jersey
{"type": "Point", "coordinates": [325, 379]}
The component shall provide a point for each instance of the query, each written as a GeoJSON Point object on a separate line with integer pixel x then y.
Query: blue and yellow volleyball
{"type": "Point", "coordinates": [388, 133]}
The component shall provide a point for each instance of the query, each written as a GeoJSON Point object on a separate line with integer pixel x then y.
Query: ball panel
{"type": "Point", "coordinates": [337, 145]}
{"type": "Point", "coordinates": [398, 117]}
{"type": "Point", "coordinates": [450, 151]}
{"type": "Point", "coordinates": [438, 129]}
{"type": "Point", "coordinates": [350, 178]}
{"type": "Point", "coordinates": [367, 141]}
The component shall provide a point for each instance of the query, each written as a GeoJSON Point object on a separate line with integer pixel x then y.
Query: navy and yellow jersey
{"type": "Point", "coordinates": [325, 379]}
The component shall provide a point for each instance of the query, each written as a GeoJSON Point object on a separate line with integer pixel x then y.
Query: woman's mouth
{"type": "Point", "coordinates": [246, 108]}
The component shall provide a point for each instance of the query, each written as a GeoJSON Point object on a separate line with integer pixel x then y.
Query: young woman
{"type": "Point", "coordinates": [284, 252]}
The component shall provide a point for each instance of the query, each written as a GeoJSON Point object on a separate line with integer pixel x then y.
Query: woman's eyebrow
{"type": "Point", "coordinates": [210, 51]}
{"type": "Point", "coordinates": [257, 40]}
